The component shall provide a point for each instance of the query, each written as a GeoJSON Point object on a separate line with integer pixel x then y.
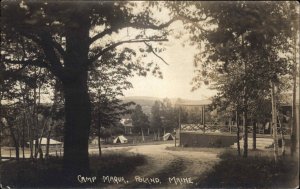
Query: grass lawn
{"type": "Point", "coordinates": [42, 173]}
{"type": "Point", "coordinates": [259, 170]}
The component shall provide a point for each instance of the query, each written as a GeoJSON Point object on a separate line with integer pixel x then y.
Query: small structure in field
{"type": "Point", "coordinates": [120, 139]}
{"type": "Point", "coordinates": [127, 124]}
{"type": "Point", "coordinates": [95, 141]}
{"type": "Point", "coordinates": [168, 136]}
{"type": "Point", "coordinates": [52, 143]}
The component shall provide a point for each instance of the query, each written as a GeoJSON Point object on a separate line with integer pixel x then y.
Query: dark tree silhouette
{"type": "Point", "coordinates": [67, 38]}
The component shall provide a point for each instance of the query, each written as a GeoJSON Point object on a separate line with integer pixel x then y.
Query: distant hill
{"type": "Point", "coordinates": [147, 102]}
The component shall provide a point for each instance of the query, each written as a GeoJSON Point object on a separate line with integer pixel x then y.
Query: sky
{"type": "Point", "coordinates": [177, 76]}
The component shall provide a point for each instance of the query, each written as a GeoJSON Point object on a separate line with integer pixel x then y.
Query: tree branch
{"type": "Point", "coordinates": [133, 25]}
{"type": "Point", "coordinates": [46, 42]}
{"type": "Point", "coordinates": [51, 42]}
{"type": "Point", "coordinates": [59, 48]}
{"type": "Point", "coordinates": [151, 25]}
{"type": "Point", "coordinates": [114, 45]}
{"type": "Point", "coordinates": [37, 62]}
{"type": "Point", "coordinates": [150, 47]}
{"type": "Point", "coordinates": [193, 21]}
{"type": "Point", "coordinates": [50, 54]}
{"type": "Point", "coordinates": [101, 34]}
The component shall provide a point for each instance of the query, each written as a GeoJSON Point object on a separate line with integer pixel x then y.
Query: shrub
{"type": "Point", "coordinates": [253, 171]}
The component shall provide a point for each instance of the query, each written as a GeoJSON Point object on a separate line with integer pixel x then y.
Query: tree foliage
{"type": "Point", "coordinates": [67, 38]}
{"type": "Point", "coordinates": [140, 120]}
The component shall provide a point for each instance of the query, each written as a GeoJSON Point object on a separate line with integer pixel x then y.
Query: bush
{"type": "Point", "coordinates": [254, 171]}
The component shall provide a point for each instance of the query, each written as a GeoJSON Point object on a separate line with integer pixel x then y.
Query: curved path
{"type": "Point", "coordinates": [174, 169]}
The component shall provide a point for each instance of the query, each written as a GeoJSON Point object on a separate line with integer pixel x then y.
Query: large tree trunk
{"type": "Point", "coordinates": [77, 100]}
{"type": "Point", "coordinates": [77, 125]}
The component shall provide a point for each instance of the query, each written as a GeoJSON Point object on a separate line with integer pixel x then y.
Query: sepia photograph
{"type": "Point", "coordinates": [149, 94]}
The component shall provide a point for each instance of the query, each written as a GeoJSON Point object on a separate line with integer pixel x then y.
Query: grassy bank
{"type": "Point", "coordinates": [259, 170]}
{"type": "Point", "coordinates": [49, 173]}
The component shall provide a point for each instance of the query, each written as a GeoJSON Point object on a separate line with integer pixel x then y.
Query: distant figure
{"type": "Point", "coordinates": [41, 153]}
{"type": "Point", "coordinates": [267, 127]}
{"type": "Point", "coordinates": [204, 128]}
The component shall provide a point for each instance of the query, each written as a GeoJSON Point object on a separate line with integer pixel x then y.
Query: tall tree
{"type": "Point", "coordinates": [170, 116]}
{"type": "Point", "coordinates": [107, 82]}
{"type": "Point", "coordinates": [140, 120]}
{"type": "Point", "coordinates": [69, 37]}
{"type": "Point", "coordinates": [241, 41]}
{"type": "Point", "coordinates": [155, 119]}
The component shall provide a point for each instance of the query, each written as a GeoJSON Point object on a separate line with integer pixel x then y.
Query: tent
{"type": "Point", "coordinates": [44, 141]}
{"type": "Point", "coordinates": [52, 143]}
{"type": "Point", "coordinates": [120, 139]}
{"type": "Point", "coordinates": [168, 136]}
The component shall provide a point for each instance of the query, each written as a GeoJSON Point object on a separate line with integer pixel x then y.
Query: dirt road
{"type": "Point", "coordinates": [174, 169]}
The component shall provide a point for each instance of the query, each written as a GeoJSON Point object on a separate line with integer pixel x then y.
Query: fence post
{"type": "Point", "coordinates": [175, 137]}
{"type": "Point", "coordinates": [10, 153]}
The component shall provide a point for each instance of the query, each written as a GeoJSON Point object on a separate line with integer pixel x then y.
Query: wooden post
{"type": "Point", "coordinates": [204, 116]}
{"type": "Point", "coordinates": [179, 124]}
{"type": "Point", "coordinates": [175, 137]}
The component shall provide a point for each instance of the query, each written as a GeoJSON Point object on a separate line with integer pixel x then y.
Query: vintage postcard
{"type": "Point", "coordinates": [149, 94]}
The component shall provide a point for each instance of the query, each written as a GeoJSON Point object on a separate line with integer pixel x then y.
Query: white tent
{"type": "Point", "coordinates": [52, 143]}
{"type": "Point", "coordinates": [120, 139]}
{"type": "Point", "coordinates": [168, 136]}
{"type": "Point", "coordinates": [44, 141]}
